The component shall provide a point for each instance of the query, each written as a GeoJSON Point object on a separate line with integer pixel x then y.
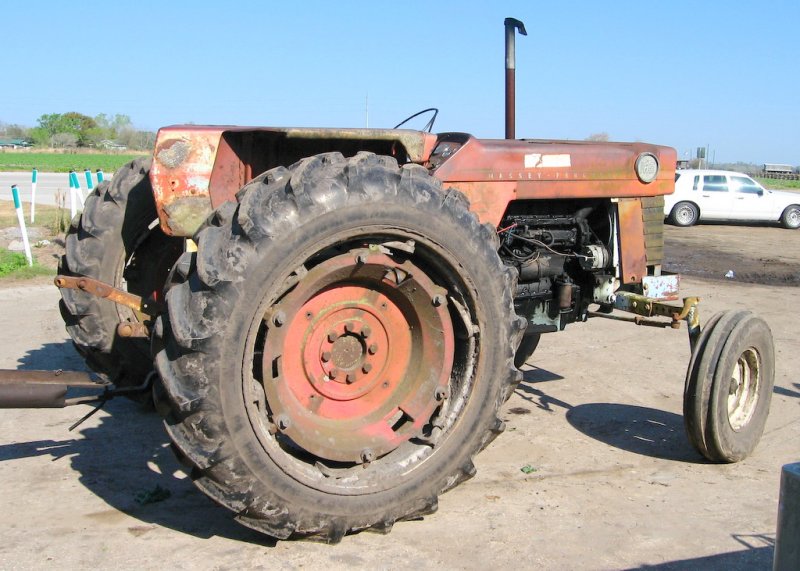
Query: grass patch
{"type": "Point", "coordinates": [55, 220]}
{"type": "Point", "coordinates": [778, 184]}
{"type": "Point", "coordinates": [15, 265]}
{"type": "Point", "coordinates": [63, 162]}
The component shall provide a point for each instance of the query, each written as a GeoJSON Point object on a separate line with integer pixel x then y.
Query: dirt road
{"type": "Point", "coordinates": [612, 484]}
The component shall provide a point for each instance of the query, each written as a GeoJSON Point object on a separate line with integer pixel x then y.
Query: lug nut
{"type": "Point", "coordinates": [284, 422]}
{"type": "Point", "coordinates": [349, 378]}
{"type": "Point", "coordinates": [326, 356]}
{"type": "Point", "coordinates": [279, 319]}
{"type": "Point", "coordinates": [332, 336]}
{"type": "Point", "coordinates": [437, 300]}
{"type": "Point", "coordinates": [349, 327]}
{"type": "Point", "coordinates": [366, 331]}
{"type": "Point", "coordinates": [372, 349]}
{"type": "Point", "coordinates": [333, 374]}
{"type": "Point", "coordinates": [367, 367]}
{"type": "Point", "coordinates": [367, 455]}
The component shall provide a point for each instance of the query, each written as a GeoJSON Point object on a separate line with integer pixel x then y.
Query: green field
{"type": "Point", "coordinates": [776, 184]}
{"type": "Point", "coordinates": [63, 162]}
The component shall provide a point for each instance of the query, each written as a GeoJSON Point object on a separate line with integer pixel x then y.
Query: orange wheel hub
{"type": "Point", "coordinates": [357, 356]}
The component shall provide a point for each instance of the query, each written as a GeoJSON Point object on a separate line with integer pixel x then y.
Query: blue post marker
{"type": "Point", "coordinates": [73, 207]}
{"type": "Point", "coordinates": [99, 176]}
{"type": "Point", "coordinates": [21, 219]}
{"type": "Point", "coordinates": [88, 174]}
{"type": "Point", "coordinates": [77, 184]}
{"type": "Point", "coordinates": [34, 175]}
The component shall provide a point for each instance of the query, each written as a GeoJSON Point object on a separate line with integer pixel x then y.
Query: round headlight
{"type": "Point", "coordinates": [647, 167]}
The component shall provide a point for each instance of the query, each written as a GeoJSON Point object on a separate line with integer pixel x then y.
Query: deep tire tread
{"type": "Point", "coordinates": [269, 207]}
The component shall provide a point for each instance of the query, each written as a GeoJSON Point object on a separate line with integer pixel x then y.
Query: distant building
{"type": "Point", "coordinates": [14, 144]}
{"type": "Point", "coordinates": [111, 145]}
{"type": "Point", "coordinates": [771, 168]}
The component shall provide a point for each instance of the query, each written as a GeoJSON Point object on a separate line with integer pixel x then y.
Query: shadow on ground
{"type": "Point", "coordinates": [788, 392]}
{"type": "Point", "coordinates": [758, 555]}
{"type": "Point", "coordinates": [126, 461]}
{"type": "Point", "coordinates": [641, 430]}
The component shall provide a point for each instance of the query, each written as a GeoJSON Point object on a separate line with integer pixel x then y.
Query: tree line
{"type": "Point", "coordinates": [72, 129]}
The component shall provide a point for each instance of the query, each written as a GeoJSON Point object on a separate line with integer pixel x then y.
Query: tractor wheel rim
{"type": "Point", "coordinates": [743, 391]}
{"type": "Point", "coordinates": [358, 356]}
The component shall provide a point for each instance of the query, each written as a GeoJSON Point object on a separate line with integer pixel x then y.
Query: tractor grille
{"type": "Point", "coordinates": [653, 217]}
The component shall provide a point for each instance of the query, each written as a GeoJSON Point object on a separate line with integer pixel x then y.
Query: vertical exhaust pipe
{"type": "Point", "coordinates": [512, 25]}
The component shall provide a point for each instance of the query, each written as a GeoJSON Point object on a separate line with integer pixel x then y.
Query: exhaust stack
{"type": "Point", "coordinates": [512, 25]}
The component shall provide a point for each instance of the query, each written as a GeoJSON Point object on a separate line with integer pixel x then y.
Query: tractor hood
{"type": "Point", "coordinates": [556, 169]}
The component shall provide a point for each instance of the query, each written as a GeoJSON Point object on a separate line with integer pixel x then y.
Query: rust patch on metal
{"type": "Point", "coordinates": [173, 153]}
{"type": "Point", "coordinates": [531, 170]}
{"type": "Point", "coordinates": [184, 215]}
{"type": "Point", "coordinates": [357, 358]}
{"type": "Point", "coordinates": [488, 200]}
{"type": "Point", "coordinates": [40, 389]}
{"type": "Point", "coordinates": [104, 290]}
{"type": "Point", "coordinates": [662, 288]}
{"type": "Point", "coordinates": [182, 169]}
{"type": "Point", "coordinates": [633, 260]}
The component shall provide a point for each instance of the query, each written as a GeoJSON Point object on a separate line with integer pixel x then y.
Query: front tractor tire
{"type": "Point", "coordinates": [340, 349]}
{"type": "Point", "coordinates": [116, 240]}
{"type": "Point", "coordinates": [729, 386]}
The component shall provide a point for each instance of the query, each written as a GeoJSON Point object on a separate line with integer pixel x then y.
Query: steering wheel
{"type": "Point", "coordinates": [428, 126]}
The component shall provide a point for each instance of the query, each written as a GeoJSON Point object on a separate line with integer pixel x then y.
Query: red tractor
{"type": "Point", "coordinates": [330, 319]}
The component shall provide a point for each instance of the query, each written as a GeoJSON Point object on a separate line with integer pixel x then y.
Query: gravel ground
{"type": "Point", "coordinates": [612, 481]}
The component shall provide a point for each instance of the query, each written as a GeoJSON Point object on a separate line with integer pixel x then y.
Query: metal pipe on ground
{"type": "Point", "coordinates": [42, 389]}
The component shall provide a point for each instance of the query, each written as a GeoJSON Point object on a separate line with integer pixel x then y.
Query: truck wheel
{"type": "Point", "coordinates": [729, 386]}
{"type": "Point", "coordinates": [526, 349]}
{"type": "Point", "coordinates": [116, 240]}
{"type": "Point", "coordinates": [340, 351]}
{"type": "Point", "coordinates": [684, 214]}
{"type": "Point", "coordinates": [791, 217]}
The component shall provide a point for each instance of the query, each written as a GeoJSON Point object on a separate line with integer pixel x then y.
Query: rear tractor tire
{"type": "Point", "coordinates": [340, 349]}
{"type": "Point", "coordinates": [729, 386]}
{"type": "Point", "coordinates": [116, 240]}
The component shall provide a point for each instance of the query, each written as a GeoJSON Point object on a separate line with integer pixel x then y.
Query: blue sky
{"type": "Point", "coordinates": [685, 74]}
